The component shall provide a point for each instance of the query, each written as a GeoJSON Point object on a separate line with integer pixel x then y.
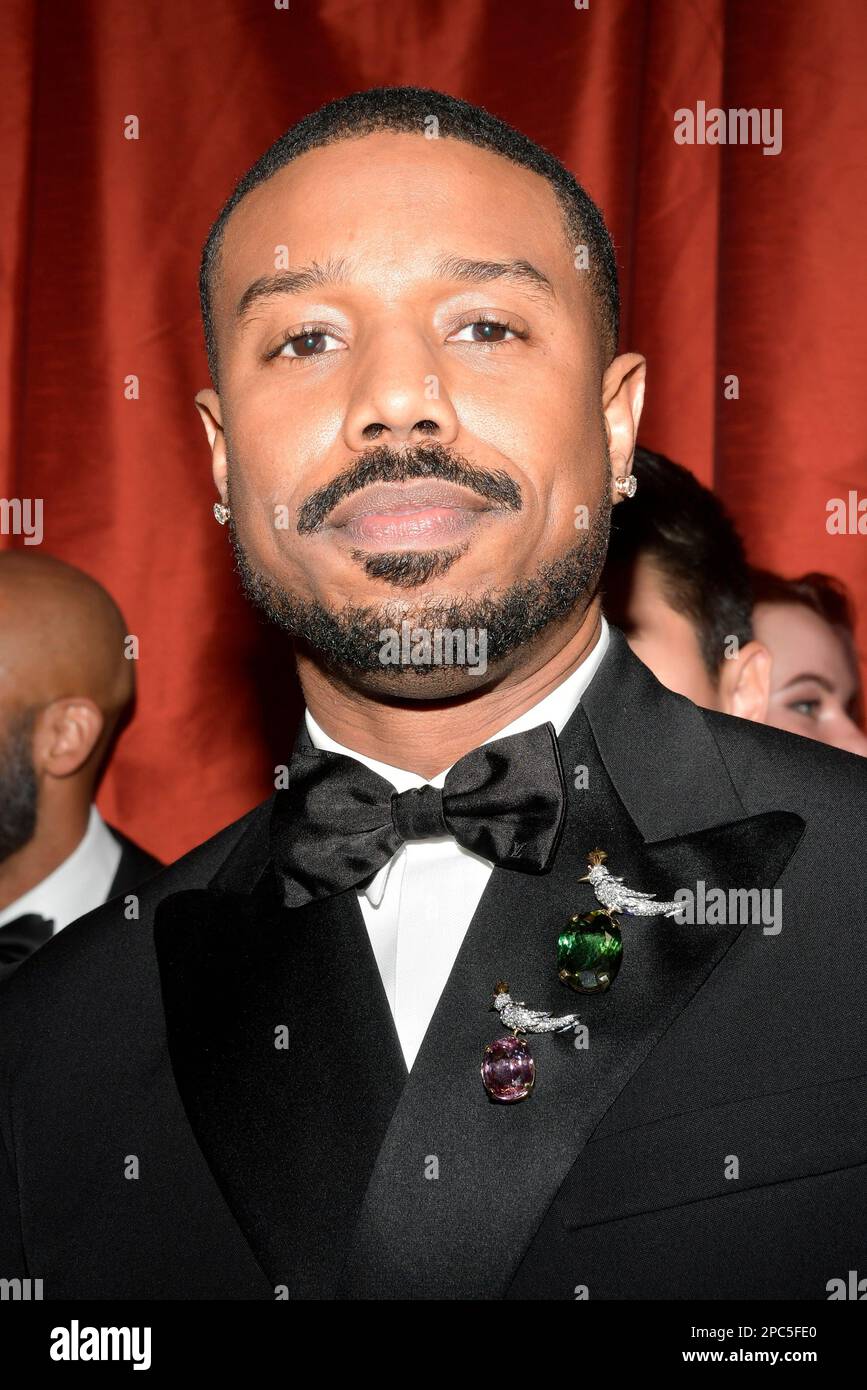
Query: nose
{"type": "Point", "coordinates": [398, 393]}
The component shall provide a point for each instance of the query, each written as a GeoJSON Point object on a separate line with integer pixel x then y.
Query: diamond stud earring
{"type": "Point", "coordinates": [221, 512]}
{"type": "Point", "coordinates": [627, 486]}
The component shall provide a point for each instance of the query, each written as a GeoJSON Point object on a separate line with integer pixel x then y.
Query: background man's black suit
{"type": "Point", "coordinates": [305, 1167]}
{"type": "Point", "coordinates": [135, 866]}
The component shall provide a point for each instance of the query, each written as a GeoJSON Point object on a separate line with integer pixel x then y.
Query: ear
{"type": "Point", "coordinates": [208, 406]}
{"type": "Point", "coordinates": [622, 402]}
{"type": "Point", "coordinates": [66, 734]}
{"type": "Point", "coordinates": [745, 682]}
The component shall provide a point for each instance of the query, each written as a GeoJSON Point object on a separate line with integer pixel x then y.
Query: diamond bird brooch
{"type": "Point", "coordinates": [508, 1067]}
{"type": "Point", "coordinates": [590, 950]}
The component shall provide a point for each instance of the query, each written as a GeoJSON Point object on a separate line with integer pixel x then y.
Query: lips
{"type": "Point", "coordinates": [417, 515]}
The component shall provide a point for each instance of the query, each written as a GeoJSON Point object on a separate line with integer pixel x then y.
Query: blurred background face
{"type": "Point", "coordinates": [665, 640]}
{"type": "Point", "coordinates": [813, 686]}
{"type": "Point", "coordinates": [19, 787]}
{"type": "Point", "coordinates": [396, 345]}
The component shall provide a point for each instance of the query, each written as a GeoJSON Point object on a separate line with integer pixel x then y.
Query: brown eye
{"type": "Point", "coordinates": [306, 344]}
{"type": "Point", "coordinates": [486, 331]}
{"type": "Point", "coordinates": [312, 341]}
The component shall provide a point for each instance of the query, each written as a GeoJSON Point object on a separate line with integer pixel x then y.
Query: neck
{"type": "Point", "coordinates": [427, 736]}
{"type": "Point", "coordinates": [55, 838]}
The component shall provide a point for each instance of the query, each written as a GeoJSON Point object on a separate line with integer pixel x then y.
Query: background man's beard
{"type": "Point", "coordinates": [350, 638]}
{"type": "Point", "coordinates": [19, 788]}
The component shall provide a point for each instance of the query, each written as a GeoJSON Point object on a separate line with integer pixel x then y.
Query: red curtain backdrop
{"type": "Point", "coordinates": [733, 262]}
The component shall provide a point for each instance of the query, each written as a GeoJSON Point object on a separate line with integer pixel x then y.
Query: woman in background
{"type": "Point", "coordinates": [807, 625]}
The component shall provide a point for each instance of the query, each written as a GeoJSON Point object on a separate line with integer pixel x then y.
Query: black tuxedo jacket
{"type": "Point", "coordinates": [710, 1142]}
{"type": "Point", "coordinates": [134, 868]}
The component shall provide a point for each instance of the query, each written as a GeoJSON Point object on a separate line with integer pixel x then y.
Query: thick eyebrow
{"type": "Point", "coordinates": [808, 676]}
{"type": "Point", "coordinates": [519, 272]}
{"type": "Point", "coordinates": [316, 276]}
{"type": "Point", "coordinates": [308, 277]}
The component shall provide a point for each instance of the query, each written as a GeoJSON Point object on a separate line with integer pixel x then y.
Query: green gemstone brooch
{"type": "Point", "coordinates": [590, 950]}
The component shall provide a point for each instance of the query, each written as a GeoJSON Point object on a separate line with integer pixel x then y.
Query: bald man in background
{"type": "Point", "coordinates": [65, 687]}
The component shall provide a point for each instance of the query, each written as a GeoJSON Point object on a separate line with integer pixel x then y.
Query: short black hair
{"type": "Point", "coordinates": [409, 110]}
{"type": "Point", "coordinates": [686, 531]}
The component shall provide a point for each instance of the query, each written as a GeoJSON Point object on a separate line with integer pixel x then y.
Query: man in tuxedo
{"type": "Point", "coordinates": [677, 584]}
{"type": "Point", "coordinates": [67, 686]}
{"type": "Point", "coordinates": [270, 1084]}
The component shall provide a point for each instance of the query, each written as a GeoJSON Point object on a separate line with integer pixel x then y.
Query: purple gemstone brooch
{"type": "Point", "coordinates": [508, 1068]}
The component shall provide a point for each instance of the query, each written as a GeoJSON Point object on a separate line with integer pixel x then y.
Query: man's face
{"type": "Point", "coordinates": [665, 640]}
{"type": "Point", "coordinates": [19, 786]}
{"type": "Point", "coordinates": [405, 348]}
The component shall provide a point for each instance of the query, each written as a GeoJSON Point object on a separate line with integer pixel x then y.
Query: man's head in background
{"type": "Point", "coordinates": [424, 380]}
{"type": "Point", "coordinates": [808, 627]}
{"type": "Point", "coordinates": [64, 686]}
{"type": "Point", "coordinates": [677, 583]}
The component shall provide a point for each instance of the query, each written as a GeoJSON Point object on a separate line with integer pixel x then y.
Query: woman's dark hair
{"type": "Point", "coordinates": [830, 600]}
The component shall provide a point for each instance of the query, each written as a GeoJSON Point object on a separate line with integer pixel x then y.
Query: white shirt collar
{"type": "Point", "coordinates": [556, 708]}
{"type": "Point", "coordinates": [76, 886]}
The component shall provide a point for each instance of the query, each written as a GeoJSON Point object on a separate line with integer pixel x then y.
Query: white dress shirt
{"type": "Point", "coordinates": [76, 886]}
{"type": "Point", "coordinates": [418, 907]}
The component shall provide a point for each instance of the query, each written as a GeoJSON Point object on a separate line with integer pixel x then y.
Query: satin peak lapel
{"type": "Point", "coordinates": [287, 1062]}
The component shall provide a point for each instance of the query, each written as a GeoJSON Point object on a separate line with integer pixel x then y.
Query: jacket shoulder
{"type": "Point", "coordinates": [773, 767]}
{"type": "Point", "coordinates": [198, 866]}
{"type": "Point", "coordinates": [135, 865]}
{"type": "Point", "coordinates": [108, 949]}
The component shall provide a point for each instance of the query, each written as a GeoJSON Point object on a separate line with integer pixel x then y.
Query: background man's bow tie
{"type": "Point", "coordinates": [336, 823]}
{"type": "Point", "coordinates": [20, 938]}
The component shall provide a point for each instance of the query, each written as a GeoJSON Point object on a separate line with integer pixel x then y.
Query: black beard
{"type": "Point", "coordinates": [350, 638]}
{"type": "Point", "coordinates": [19, 788]}
{"type": "Point", "coordinates": [408, 569]}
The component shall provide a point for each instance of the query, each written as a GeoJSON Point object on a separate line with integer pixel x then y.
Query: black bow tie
{"type": "Point", "coordinates": [336, 823]}
{"type": "Point", "coordinates": [20, 938]}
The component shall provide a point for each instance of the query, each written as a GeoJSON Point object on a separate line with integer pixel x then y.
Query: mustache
{"type": "Point", "coordinates": [385, 465]}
